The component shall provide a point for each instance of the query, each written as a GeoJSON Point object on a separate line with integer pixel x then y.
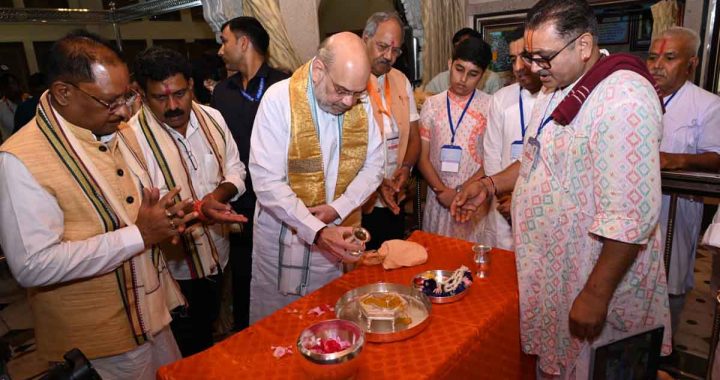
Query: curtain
{"type": "Point", "coordinates": [665, 16]}
{"type": "Point", "coordinates": [217, 12]}
{"type": "Point", "coordinates": [282, 53]}
{"type": "Point", "coordinates": [440, 19]}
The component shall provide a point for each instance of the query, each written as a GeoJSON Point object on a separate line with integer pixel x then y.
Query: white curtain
{"type": "Point", "coordinates": [440, 19]}
{"type": "Point", "coordinates": [282, 53]}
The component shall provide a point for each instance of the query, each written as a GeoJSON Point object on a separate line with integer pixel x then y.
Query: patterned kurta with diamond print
{"type": "Point", "coordinates": [598, 177]}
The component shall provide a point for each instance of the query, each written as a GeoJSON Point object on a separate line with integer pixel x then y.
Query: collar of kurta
{"type": "Point", "coordinates": [603, 68]}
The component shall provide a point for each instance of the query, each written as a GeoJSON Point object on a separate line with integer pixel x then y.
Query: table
{"type": "Point", "coordinates": [475, 338]}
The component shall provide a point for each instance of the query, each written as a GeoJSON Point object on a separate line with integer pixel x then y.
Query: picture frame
{"type": "Point", "coordinates": [641, 31]}
{"type": "Point", "coordinates": [614, 30]}
{"type": "Point", "coordinates": [494, 29]}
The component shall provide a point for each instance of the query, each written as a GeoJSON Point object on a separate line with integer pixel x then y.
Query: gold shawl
{"type": "Point", "coordinates": [305, 165]}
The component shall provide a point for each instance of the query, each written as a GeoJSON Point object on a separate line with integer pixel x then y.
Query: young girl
{"type": "Point", "coordinates": [452, 124]}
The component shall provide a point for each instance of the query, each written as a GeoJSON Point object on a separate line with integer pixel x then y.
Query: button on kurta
{"type": "Point", "coordinates": [129, 200]}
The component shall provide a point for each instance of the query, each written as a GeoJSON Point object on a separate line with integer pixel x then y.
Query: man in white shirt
{"type": "Point", "coordinates": [315, 156]}
{"type": "Point", "coordinates": [188, 145]}
{"type": "Point", "coordinates": [489, 83]}
{"type": "Point", "coordinates": [510, 112]}
{"type": "Point", "coordinates": [396, 114]}
{"type": "Point", "coordinates": [690, 141]}
{"type": "Point", "coordinates": [77, 227]}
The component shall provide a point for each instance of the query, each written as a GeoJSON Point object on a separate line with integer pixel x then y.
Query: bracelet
{"type": "Point", "coordinates": [197, 207]}
{"type": "Point", "coordinates": [494, 188]}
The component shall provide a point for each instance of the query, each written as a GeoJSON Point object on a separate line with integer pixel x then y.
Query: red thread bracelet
{"type": "Point", "coordinates": [197, 207]}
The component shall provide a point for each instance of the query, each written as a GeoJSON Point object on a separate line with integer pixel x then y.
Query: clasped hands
{"type": "Point", "coordinates": [161, 218]}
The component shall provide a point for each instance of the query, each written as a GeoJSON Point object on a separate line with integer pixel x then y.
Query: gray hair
{"type": "Point", "coordinates": [378, 18]}
{"type": "Point", "coordinates": [692, 37]}
{"type": "Point", "coordinates": [325, 54]}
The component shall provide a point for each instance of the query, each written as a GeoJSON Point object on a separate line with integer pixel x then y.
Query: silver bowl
{"type": "Point", "coordinates": [338, 365]}
{"type": "Point", "coordinates": [438, 275]}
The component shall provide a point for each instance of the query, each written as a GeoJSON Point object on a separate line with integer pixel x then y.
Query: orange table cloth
{"type": "Point", "coordinates": [475, 338]}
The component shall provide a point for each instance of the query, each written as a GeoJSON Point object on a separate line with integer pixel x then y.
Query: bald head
{"type": "Point", "coordinates": [345, 51]}
{"type": "Point", "coordinates": [341, 72]}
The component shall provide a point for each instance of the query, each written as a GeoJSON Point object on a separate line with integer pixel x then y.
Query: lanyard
{"type": "Point", "coordinates": [670, 98]}
{"type": "Point", "coordinates": [454, 129]}
{"type": "Point", "coordinates": [523, 127]}
{"type": "Point", "coordinates": [547, 120]}
{"type": "Point", "coordinates": [375, 96]}
{"type": "Point", "coordinates": [258, 95]}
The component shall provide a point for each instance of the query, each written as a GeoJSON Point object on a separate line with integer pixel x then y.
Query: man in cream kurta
{"type": "Point", "coordinates": [83, 246]}
{"type": "Point", "coordinates": [396, 114]}
{"type": "Point", "coordinates": [188, 145]}
{"type": "Point", "coordinates": [297, 248]}
{"type": "Point", "coordinates": [510, 111]}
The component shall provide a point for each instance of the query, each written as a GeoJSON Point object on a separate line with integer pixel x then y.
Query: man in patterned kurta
{"type": "Point", "coordinates": [586, 196]}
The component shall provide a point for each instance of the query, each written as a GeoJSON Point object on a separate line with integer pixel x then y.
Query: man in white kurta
{"type": "Point", "coordinates": [690, 141]}
{"type": "Point", "coordinates": [299, 249]}
{"type": "Point", "coordinates": [510, 111]}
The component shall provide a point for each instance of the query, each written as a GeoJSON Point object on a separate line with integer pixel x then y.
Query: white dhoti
{"type": "Point", "coordinates": [303, 269]}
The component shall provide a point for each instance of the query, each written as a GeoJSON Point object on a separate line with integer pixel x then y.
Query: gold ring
{"type": "Point", "coordinates": [172, 224]}
{"type": "Point", "coordinates": [169, 214]}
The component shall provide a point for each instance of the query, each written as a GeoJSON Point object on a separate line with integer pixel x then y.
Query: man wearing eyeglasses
{"type": "Point", "coordinates": [188, 145]}
{"type": "Point", "coordinates": [586, 197]}
{"type": "Point", "coordinates": [395, 112]}
{"type": "Point", "coordinates": [316, 154]}
{"type": "Point", "coordinates": [79, 229]}
{"type": "Point", "coordinates": [690, 141]}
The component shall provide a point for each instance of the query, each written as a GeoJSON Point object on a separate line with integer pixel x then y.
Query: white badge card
{"type": "Point", "coordinates": [450, 157]}
{"type": "Point", "coordinates": [531, 153]}
{"type": "Point", "coordinates": [393, 145]}
{"type": "Point", "coordinates": [516, 150]}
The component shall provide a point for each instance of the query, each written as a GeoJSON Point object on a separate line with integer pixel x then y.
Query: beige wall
{"type": "Point", "coordinates": [339, 15]}
{"type": "Point", "coordinates": [301, 22]}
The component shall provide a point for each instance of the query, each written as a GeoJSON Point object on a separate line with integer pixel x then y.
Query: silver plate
{"type": "Point", "coordinates": [441, 275]}
{"type": "Point", "coordinates": [419, 307]}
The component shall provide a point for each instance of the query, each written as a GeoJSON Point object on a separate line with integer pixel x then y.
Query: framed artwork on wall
{"type": "Point", "coordinates": [495, 29]}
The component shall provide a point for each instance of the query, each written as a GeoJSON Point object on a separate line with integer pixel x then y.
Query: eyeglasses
{"type": "Point", "coordinates": [343, 92]}
{"type": "Point", "coordinates": [383, 48]}
{"type": "Point", "coordinates": [544, 62]}
{"type": "Point", "coordinates": [126, 99]}
{"type": "Point", "coordinates": [190, 155]}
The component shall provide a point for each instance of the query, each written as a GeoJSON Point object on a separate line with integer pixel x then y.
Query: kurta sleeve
{"type": "Point", "coordinates": [268, 165]}
{"type": "Point", "coordinates": [624, 148]}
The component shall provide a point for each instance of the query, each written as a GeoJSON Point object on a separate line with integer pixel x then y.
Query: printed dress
{"type": "Point", "coordinates": [435, 129]}
{"type": "Point", "coordinates": [598, 177]}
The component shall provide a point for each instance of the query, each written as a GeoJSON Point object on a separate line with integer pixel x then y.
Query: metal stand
{"type": "Point", "coordinates": [698, 184]}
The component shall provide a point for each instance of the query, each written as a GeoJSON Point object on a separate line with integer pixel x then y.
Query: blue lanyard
{"type": "Point", "coordinates": [454, 129]}
{"type": "Point", "coordinates": [547, 120]}
{"type": "Point", "coordinates": [313, 105]}
{"type": "Point", "coordinates": [670, 98]}
{"type": "Point", "coordinates": [523, 127]}
{"type": "Point", "coordinates": [258, 95]}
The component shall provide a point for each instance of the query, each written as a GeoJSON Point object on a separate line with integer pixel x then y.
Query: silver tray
{"type": "Point", "coordinates": [419, 307]}
{"type": "Point", "coordinates": [441, 274]}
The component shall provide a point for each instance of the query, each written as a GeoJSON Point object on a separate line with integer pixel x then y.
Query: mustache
{"type": "Point", "coordinates": [383, 61]}
{"type": "Point", "coordinates": [174, 113]}
{"type": "Point", "coordinates": [543, 72]}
